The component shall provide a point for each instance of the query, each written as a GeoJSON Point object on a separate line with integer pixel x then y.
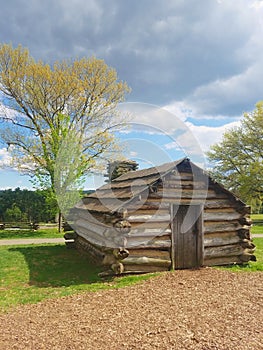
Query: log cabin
{"type": "Point", "coordinates": [172, 216]}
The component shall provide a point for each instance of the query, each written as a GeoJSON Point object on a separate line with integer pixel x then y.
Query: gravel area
{"type": "Point", "coordinates": [204, 309]}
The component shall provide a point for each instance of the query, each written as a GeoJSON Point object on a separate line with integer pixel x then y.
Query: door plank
{"type": "Point", "coordinates": [187, 241]}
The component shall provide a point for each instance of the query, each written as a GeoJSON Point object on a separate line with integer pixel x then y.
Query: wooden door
{"type": "Point", "coordinates": [187, 237]}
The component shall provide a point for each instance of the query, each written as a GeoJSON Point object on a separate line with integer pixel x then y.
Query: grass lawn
{"type": "Point", "coordinates": [251, 266]}
{"type": "Point", "coordinates": [31, 273]}
{"type": "Point", "coordinates": [256, 229]}
{"type": "Point", "coordinates": [16, 234]}
{"type": "Point", "coordinates": [256, 216]}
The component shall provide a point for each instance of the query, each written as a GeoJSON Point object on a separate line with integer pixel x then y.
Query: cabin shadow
{"type": "Point", "coordinates": [57, 266]}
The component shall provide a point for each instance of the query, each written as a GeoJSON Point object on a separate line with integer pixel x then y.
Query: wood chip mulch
{"type": "Point", "coordinates": [205, 309]}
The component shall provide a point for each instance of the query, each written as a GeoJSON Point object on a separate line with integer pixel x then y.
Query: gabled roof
{"type": "Point", "coordinates": [110, 197]}
{"type": "Point", "coordinates": [113, 196]}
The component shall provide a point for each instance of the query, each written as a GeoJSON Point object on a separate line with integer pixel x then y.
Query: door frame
{"type": "Point", "coordinates": [199, 226]}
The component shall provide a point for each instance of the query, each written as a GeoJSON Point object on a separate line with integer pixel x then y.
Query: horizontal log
{"type": "Point", "coordinates": [227, 250]}
{"type": "Point", "coordinates": [149, 232]}
{"type": "Point", "coordinates": [219, 216]}
{"type": "Point", "coordinates": [246, 257]}
{"type": "Point", "coordinates": [170, 194]}
{"type": "Point", "coordinates": [146, 261]}
{"type": "Point", "coordinates": [148, 205]}
{"type": "Point", "coordinates": [101, 230]}
{"type": "Point", "coordinates": [88, 248]}
{"type": "Point", "coordinates": [83, 213]}
{"type": "Point", "coordinates": [217, 203]}
{"type": "Point", "coordinates": [98, 228]}
{"type": "Point", "coordinates": [96, 239]}
{"type": "Point", "coordinates": [223, 260]}
{"type": "Point", "coordinates": [244, 210]}
{"type": "Point", "coordinates": [145, 243]}
{"type": "Point", "coordinates": [244, 233]}
{"type": "Point", "coordinates": [225, 238]}
{"type": "Point", "coordinates": [70, 235]}
{"type": "Point", "coordinates": [138, 269]}
{"type": "Point", "coordinates": [150, 253]}
{"type": "Point", "coordinates": [179, 201]}
{"type": "Point", "coordinates": [221, 226]}
{"type": "Point", "coordinates": [151, 212]}
{"type": "Point", "coordinates": [151, 218]}
{"type": "Point", "coordinates": [184, 184]}
{"type": "Point", "coordinates": [250, 250]}
{"type": "Point", "coordinates": [245, 221]}
{"type": "Point", "coordinates": [150, 225]}
{"type": "Point", "coordinates": [226, 209]}
{"type": "Point", "coordinates": [179, 177]}
{"type": "Point", "coordinates": [246, 243]}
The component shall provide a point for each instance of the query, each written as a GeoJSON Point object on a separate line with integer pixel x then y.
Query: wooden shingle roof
{"type": "Point", "coordinates": [111, 197]}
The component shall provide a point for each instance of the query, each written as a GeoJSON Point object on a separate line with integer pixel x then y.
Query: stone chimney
{"type": "Point", "coordinates": [118, 168]}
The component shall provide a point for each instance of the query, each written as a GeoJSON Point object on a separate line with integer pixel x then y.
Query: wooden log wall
{"type": "Point", "coordinates": [226, 224]}
{"type": "Point", "coordinates": [226, 220]}
{"type": "Point", "coordinates": [148, 237]}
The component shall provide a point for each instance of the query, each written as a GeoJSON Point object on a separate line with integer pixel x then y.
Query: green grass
{"type": "Point", "coordinates": [16, 234]}
{"type": "Point", "coordinates": [256, 229]}
{"type": "Point", "coordinates": [257, 216]}
{"type": "Point", "coordinates": [251, 266]}
{"type": "Point", "coordinates": [31, 273]}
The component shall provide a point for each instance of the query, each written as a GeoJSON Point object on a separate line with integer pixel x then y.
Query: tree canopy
{"type": "Point", "coordinates": [69, 105]}
{"type": "Point", "coordinates": [238, 158]}
{"type": "Point", "coordinates": [26, 205]}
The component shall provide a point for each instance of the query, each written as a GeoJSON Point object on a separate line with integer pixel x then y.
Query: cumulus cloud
{"type": "Point", "coordinates": [5, 158]}
{"type": "Point", "coordinates": [195, 51]}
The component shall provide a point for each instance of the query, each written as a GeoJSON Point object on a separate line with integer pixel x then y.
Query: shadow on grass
{"type": "Point", "coordinates": [57, 266]}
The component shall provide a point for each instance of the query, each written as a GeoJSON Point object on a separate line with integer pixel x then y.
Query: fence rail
{"type": "Point", "coordinates": [19, 225]}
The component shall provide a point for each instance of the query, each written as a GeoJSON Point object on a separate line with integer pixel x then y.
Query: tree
{"type": "Point", "coordinates": [35, 206]}
{"type": "Point", "coordinates": [48, 106]}
{"type": "Point", "coordinates": [13, 214]}
{"type": "Point", "coordinates": [238, 158]}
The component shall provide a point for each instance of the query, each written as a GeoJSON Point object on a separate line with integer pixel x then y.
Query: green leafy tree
{"type": "Point", "coordinates": [238, 158]}
{"type": "Point", "coordinates": [46, 105]}
{"type": "Point", "coordinates": [13, 214]}
{"type": "Point", "coordinates": [35, 206]}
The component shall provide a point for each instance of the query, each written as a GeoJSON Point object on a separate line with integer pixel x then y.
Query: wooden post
{"type": "Point", "coordinates": [172, 239]}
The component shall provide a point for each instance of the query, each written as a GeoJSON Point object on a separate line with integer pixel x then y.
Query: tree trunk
{"type": "Point", "coordinates": [59, 221]}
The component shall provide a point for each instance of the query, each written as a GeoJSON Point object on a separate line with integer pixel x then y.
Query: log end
{"type": "Point", "coordinates": [118, 268]}
{"type": "Point", "coordinates": [120, 253]}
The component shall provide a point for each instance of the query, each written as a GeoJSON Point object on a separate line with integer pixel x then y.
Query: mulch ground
{"type": "Point", "coordinates": [204, 309]}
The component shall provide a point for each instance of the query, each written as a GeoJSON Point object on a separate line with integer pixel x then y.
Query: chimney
{"type": "Point", "coordinates": [118, 168]}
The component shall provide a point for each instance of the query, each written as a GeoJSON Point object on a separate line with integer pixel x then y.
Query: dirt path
{"type": "Point", "coordinates": [205, 309]}
{"type": "Point", "coordinates": [31, 241]}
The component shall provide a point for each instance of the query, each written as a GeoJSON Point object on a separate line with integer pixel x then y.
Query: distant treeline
{"type": "Point", "coordinates": [25, 205]}
{"type": "Point", "coordinates": [28, 206]}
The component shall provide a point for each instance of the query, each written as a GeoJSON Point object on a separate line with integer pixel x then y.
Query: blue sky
{"type": "Point", "coordinates": [199, 60]}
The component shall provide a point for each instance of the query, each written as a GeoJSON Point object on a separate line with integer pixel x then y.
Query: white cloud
{"type": "Point", "coordinates": [207, 136]}
{"type": "Point", "coordinates": [177, 51]}
{"type": "Point", "coordinates": [6, 112]}
{"type": "Point", "coordinates": [258, 4]}
{"type": "Point", "coordinates": [153, 119]}
{"type": "Point", "coordinates": [5, 158]}
{"type": "Point", "coordinates": [204, 136]}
